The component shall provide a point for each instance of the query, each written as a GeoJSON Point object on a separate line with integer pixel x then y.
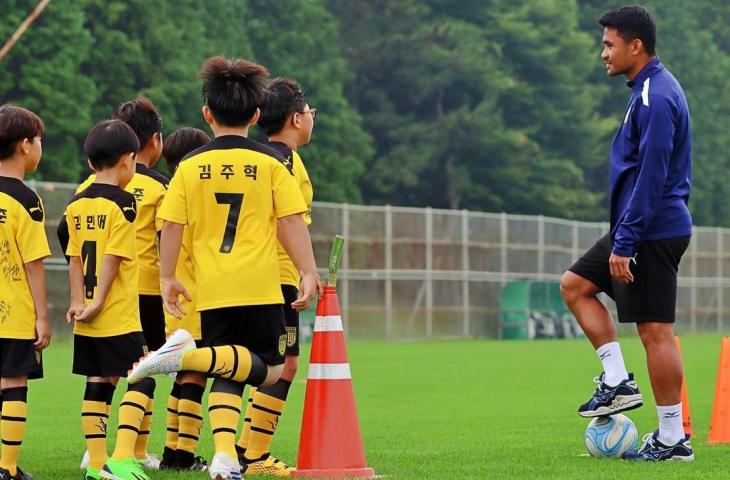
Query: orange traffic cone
{"type": "Point", "coordinates": [720, 422]}
{"type": "Point", "coordinates": [686, 411]}
{"type": "Point", "coordinates": [330, 443]}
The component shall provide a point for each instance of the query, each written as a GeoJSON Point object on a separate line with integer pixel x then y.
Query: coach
{"type": "Point", "coordinates": [636, 262]}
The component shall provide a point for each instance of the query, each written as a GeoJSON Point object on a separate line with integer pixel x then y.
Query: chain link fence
{"type": "Point", "coordinates": [415, 273]}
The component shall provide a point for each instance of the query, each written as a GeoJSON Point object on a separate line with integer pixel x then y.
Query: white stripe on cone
{"type": "Point", "coordinates": [329, 371]}
{"type": "Point", "coordinates": [330, 323]}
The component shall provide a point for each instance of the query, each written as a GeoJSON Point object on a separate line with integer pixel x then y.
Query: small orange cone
{"type": "Point", "coordinates": [720, 422]}
{"type": "Point", "coordinates": [686, 411]}
{"type": "Point", "coordinates": [330, 443]}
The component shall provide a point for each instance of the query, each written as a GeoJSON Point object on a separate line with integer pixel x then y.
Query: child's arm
{"type": "Point", "coordinates": [109, 270]}
{"type": "Point", "coordinates": [76, 282]}
{"type": "Point", "coordinates": [36, 275]}
{"type": "Point", "coordinates": [170, 242]}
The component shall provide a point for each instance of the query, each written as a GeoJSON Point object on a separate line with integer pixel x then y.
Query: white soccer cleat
{"type": "Point", "coordinates": [150, 462]}
{"type": "Point", "coordinates": [84, 461]}
{"type": "Point", "coordinates": [165, 360]}
{"type": "Point", "coordinates": [223, 467]}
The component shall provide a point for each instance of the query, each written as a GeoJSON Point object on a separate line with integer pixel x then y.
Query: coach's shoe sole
{"type": "Point", "coordinates": [622, 403]}
{"type": "Point", "coordinates": [167, 359]}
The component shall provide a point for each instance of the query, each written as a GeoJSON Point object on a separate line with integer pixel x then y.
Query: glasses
{"type": "Point", "coordinates": [313, 111]}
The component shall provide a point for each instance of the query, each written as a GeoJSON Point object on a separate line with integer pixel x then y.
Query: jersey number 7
{"type": "Point", "coordinates": [235, 203]}
{"type": "Point", "coordinates": [88, 257]}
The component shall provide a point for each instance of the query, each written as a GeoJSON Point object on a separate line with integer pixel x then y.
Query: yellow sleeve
{"type": "Point", "coordinates": [287, 195]}
{"type": "Point", "coordinates": [158, 206]}
{"type": "Point", "coordinates": [73, 249]}
{"type": "Point", "coordinates": [122, 237]}
{"type": "Point", "coordinates": [31, 236]}
{"type": "Point", "coordinates": [174, 205]}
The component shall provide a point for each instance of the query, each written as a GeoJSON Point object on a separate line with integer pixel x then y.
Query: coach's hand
{"type": "Point", "coordinates": [620, 270]}
{"type": "Point", "coordinates": [310, 286]}
{"type": "Point", "coordinates": [171, 291]}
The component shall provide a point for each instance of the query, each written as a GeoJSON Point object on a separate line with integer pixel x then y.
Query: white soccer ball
{"type": "Point", "coordinates": [611, 436]}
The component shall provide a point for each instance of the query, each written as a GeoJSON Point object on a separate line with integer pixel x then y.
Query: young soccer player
{"type": "Point", "coordinates": [148, 187]}
{"type": "Point", "coordinates": [233, 194]}
{"type": "Point", "coordinates": [24, 327]}
{"type": "Point", "coordinates": [288, 120]}
{"type": "Point", "coordinates": [184, 410]}
{"type": "Point", "coordinates": [103, 273]}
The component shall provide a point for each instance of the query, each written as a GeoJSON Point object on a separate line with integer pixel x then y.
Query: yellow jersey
{"type": "Point", "coordinates": [22, 240]}
{"type": "Point", "coordinates": [230, 193]}
{"type": "Point", "coordinates": [101, 222]}
{"type": "Point", "coordinates": [185, 273]}
{"type": "Point", "coordinates": [287, 271]}
{"type": "Point", "coordinates": [148, 187]}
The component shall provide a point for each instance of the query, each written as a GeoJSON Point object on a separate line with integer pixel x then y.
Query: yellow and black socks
{"type": "Point", "coordinates": [224, 410]}
{"type": "Point", "coordinates": [246, 429]}
{"type": "Point", "coordinates": [191, 420]}
{"type": "Point", "coordinates": [140, 446]}
{"type": "Point", "coordinates": [231, 362]}
{"type": "Point", "coordinates": [268, 403]}
{"type": "Point", "coordinates": [131, 416]}
{"type": "Point", "coordinates": [95, 419]}
{"type": "Point", "coordinates": [12, 426]}
{"type": "Point", "coordinates": [171, 437]}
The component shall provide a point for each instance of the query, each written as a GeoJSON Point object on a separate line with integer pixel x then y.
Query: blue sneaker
{"type": "Point", "coordinates": [608, 400]}
{"type": "Point", "coordinates": [655, 451]}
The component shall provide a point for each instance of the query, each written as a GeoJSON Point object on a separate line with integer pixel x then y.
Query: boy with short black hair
{"type": "Point", "coordinates": [288, 121]}
{"type": "Point", "coordinates": [24, 327]}
{"type": "Point", "coordinates": [103, 274]}
{"type": "Point", "coordinates": [234, 195]}
{"type": "Point", "coordinates": [184, 407]}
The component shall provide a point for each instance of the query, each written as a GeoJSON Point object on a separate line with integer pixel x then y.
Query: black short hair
{"type": "Point", "coordinates": [17, 124]}
{"type": "Point", "coordinates": [632, 22]}
{"type": "Point", "coordinates": [108, 141]}
{"type": "Point", "coordinates": [233, 89]}
{"type": "Point", "coordinates": [142, 116]}
{"type": "Point", "coordinates": [181, 142]}
{"type": "Point", "coordinates": [283, 97]}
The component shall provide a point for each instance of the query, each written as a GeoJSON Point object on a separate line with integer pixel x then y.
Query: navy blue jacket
{"type": "Point", "coordinates": [651, 163]}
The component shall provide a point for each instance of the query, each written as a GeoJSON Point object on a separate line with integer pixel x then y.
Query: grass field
{"type": "Point", "coordinates": [461, 409]}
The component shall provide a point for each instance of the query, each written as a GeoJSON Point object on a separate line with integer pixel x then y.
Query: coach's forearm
{"type": "Point", "coordinates": [293, 235]}
{"type": "Point", "coordinates": [170, 242]}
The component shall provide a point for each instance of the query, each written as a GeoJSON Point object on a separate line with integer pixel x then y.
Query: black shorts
{"type": "Point", "coordinates": [18, 358]}
{"type": "Point", "coordinates": [152, 317]}
{"type": "Point", "coordinates": [260, 328]}
{"type": "Point", "coordinates": [652, 297]}
{"type": "Point", "coordinates": [107, 356]}
{"type": "Point", "coordinates": [291, 320]}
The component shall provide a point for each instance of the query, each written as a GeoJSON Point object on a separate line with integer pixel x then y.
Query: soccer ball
{"type": "Point", "coordinates": [611, 436]}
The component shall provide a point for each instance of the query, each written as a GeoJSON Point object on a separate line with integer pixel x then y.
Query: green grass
{"type": "Point", "coordinates": [470, 409]}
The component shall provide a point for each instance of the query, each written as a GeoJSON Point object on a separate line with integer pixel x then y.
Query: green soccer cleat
{"type": "Point", "coordinates": [127, 469]}
{"type": "Point", "coordinates": [92, 474]}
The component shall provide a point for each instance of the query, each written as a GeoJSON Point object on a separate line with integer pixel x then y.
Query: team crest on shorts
{"type": "Point", "coordinates": [145, 351]}
{"type": "Point", "coordinates": [291, 336]}
{"type": "Point", "coordinates": [38, 358]}
{"type": "Point", "coordinates": [282, 344]}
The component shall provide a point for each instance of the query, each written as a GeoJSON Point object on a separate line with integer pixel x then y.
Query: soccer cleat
{"type": "Point", "coordinates": [19, 475]}
{"type": "Point", "coordinates": [92, 474]}
{"type": "Point", "coordinates": [84, 461]}
{"type": "Point", "coordinates": [265, 465]}
{"type": "Point", "coordinates": [168, 459]}
{"type": "Point", "coordinates": [608, 400]}
{"type": "Point", "coordinates": [655, 451]}
{"type": "Point", "coordinates": [150, 462]}
{"type": "Point", "coordinates": [223, 467]}
{"type": "Point", "coordinates": [127, 469]}
{"type": "Point", "coordinates": [167, 359]}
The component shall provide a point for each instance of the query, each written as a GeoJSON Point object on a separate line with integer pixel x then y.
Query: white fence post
{"type": "Point", "coordinates": [465, 268]}
{"type": "Point", "coordinates": [693, 290]}
{"type": "Point", "coordinates": [720, 287]}
{"type": "Point", "coordinates": [429, 272]}
{"type": "Point", "coordinates": [346, 266]}
{"type": "Point", "coordinates": [541, 246]}
{"type": "Point", "coordinates": [388, 272]}
{"type": "Point", "coordinates": [503, 247]}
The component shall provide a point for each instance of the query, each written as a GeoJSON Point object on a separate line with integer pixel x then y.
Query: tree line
{"type": "Point", "coordinates": [489, 105]}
